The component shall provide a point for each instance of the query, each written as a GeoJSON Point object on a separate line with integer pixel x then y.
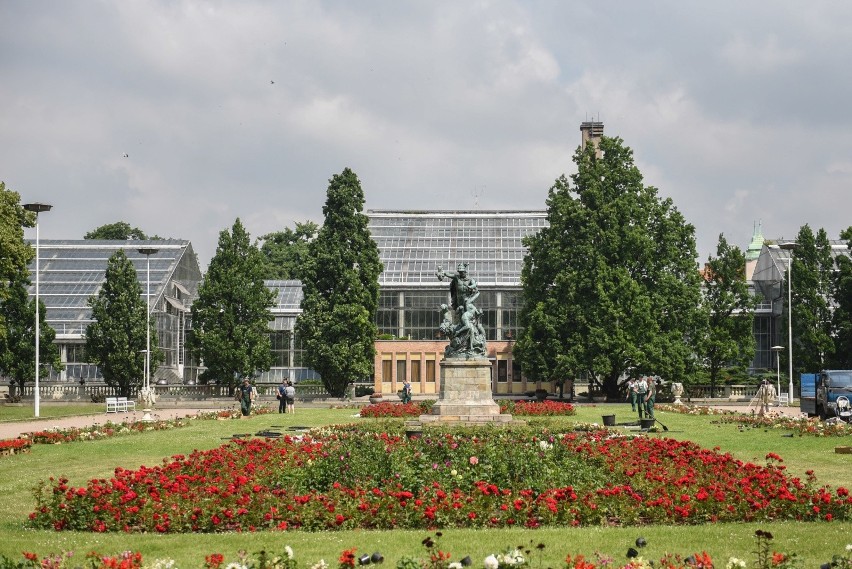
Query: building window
{"type": "Point", "coordinates": [430, 370]}
{"type": "Point", "coordinates": [423, 314]}
{"type": "Point", "coordinates": [387, 315]}
{"type": "Point", "coordinates": [387, 370]}
{"type": "Point", "coordinates": [502, 371]}
{"type": "Point", "coordinates": [400, 370]}
{"type": "Point", "coordinates": [415, 371]}
{"type": "Point", "coordinates": [280, 340]}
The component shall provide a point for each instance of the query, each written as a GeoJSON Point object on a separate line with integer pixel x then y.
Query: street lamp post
{"type": "Point", "coordinates": [790, 246]}
{"type": "Point", "coordinates": [37, 208]}
{"type": "Point", "coordinates": [777, 350]}
{"type": "Point", "coordinates": [148, 251]}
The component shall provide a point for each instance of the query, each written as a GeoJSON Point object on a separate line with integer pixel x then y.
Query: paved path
{"type": "Point", "coordinates": [12, 429]}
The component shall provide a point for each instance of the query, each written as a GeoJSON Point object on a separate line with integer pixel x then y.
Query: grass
{"type": "Point", "coordinates": [814, 543]}
{"type": "Point", "coordinates": [24, 412]}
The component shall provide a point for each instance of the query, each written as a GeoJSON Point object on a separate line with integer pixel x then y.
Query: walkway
{"type": "Point", "coordinates": [13, 429]}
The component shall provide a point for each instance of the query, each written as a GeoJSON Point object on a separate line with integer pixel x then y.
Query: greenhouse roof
{"type": "Point", "coordinates": [288, 295]}
{"type": "Point", "coordinates": [413, 244]}
{"type": "Point", "coordinates": [71, 271]}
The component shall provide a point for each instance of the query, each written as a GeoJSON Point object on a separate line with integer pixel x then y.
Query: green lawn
{"type": "Point", "coordinates": [814, 543]}
{"type": "Point", "coordinates": [48, 411]}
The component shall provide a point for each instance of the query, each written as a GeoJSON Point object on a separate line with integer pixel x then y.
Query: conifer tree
{"type": "Point", "coordinates": [232, 313]}
{"type": "Point", "coordinates": [337, 326]}
{"type": "Point", "coordinates": [729, 310]}
{"type": "Point", "coordinates": [811, 278]}
{"type": "Point", "coordinates": [116, 340]}
{"type": "Point", "coordinates": [17, 311]}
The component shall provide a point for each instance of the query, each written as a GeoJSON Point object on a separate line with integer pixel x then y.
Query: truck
{"type": "Point", "coordinates": [820, 392]}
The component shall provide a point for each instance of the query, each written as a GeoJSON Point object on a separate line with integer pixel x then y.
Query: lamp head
{"type": "Point", "coordinates": [37, 207]}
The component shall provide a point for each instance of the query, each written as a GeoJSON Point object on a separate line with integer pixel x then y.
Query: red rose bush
{"type": "Point", "coordinates": [357, 477]}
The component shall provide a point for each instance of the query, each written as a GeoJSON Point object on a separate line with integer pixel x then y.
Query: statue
{"type": "Point", "coordinates": [677, 391]}
{"type": "Point", "coordinates": [462, 322]}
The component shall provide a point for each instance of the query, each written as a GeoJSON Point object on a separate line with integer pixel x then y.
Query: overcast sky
{"type": "Point", "coordinates": [738, 111]}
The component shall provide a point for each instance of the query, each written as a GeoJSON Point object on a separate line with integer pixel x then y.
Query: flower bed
{"type": "Point", "coordinates": [354, 477]}
{"type": "Point", "coordinates": [386, 409]}
{"type": "Point", "coordinates": [436, 558]}
{"type": "Point", "coordinates": [14, 446]}
{"type": "Point", "coordinates": [520, 408]}
{"type": "Point", "coordinates": [537, 408]}
{"type": "Point", "coordinates": [802, 426]}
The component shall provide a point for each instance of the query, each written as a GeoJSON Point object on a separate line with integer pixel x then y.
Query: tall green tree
{"type": "Point", "coordinates": [611, 286]}
{"type": "Point", "coordinates": [841, 318]}
{"type": "Point", "coordinates": [728, 342]}
{"type": "Point", "coordinates": [17, 348]}
{"type": "Point", "coordinates": [116, 340]}
{"type": "Point", "coordinates": [812, 276]}
{"type": "Point", "coordinates": [119, 230]}
{"type": "Point", "coordinates": [284, 252]}
{"type": "Point", "coordinates": [232, 313]}
{"type": "Point", "coordinates": [340, 279]}
{"type": "Point", "coordinates": [15, 253]}
{"type": "Point", "coordinates": [17, 310]}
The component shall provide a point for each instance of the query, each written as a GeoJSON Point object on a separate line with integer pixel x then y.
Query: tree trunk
{"type": "Point", "coordinates": [611, 388]}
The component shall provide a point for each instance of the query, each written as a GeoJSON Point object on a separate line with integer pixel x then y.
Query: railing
{"type": "Point", "coordinates": [66, 391]}
{"type": "Point", "coordinates": [731, 392]}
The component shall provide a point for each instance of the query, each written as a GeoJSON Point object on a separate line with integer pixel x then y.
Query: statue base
{"type": "Point", "coordinates": [465, 395]}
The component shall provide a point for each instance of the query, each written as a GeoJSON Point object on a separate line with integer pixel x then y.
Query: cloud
{"type": "Point", "coordinates": [246, 109]}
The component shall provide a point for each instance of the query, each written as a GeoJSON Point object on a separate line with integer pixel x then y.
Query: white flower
{"type": "Point", "coordinates": [321, 564]}
{"type": "Point", "coordinates": [454, 565]}
{"type": "Point", "coordinates": [289, 551]}
{"type": "Point", "coordinates": [849, 547]}
{"type": "Point", "coordinates": [544, 445]}
{"type": "Point", "coordinates": [235, 565]}
{"type": "Point", "coordinates": [162, 564]}
{"type": "Point", "coordinates": [491, 562]}
{"type": "Point", "coordinates": [734, 563]}
{"type": "Point", "coordinates": [454, 472]}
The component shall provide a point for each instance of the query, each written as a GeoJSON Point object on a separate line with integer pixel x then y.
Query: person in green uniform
{"type": "Point", "coordinates": [246, 397]}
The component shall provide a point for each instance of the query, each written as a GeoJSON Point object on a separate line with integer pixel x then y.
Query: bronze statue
{"type": "Point", "coordinates": [462, 322]}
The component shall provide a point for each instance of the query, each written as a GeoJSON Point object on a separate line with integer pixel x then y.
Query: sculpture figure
{"type": "Point", "coordinates": [462, 322]}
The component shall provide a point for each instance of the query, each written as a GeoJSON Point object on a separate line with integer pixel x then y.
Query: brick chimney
{"type": "Point", "coordinates": [591, 132]}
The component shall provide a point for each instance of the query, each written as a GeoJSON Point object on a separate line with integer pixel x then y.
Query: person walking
{"type": "Point", "coordinates": [631, 393]}
{"type": "Point", "coordinates": [641, 390]}
{"type": "Point", "coordinates": [280, 395]}
{"type": "Point", "coordinates": [406, 392]}
{"type": "Point", "coordinates": [650, 397]}
{"type": "Point", "coordinates": [290, 396]}
{"type": "Point", "coordinates": [246, 397]}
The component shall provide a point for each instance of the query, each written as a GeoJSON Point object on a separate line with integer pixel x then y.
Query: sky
{"type": "Point", "coordinates": [179, 116]}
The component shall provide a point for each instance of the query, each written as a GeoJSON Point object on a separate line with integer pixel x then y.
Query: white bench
{"type": "Point", "coordinates": [116, 404]}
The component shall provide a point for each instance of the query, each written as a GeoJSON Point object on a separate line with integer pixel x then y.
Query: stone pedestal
{"type": "Point", "coordinates": [465, 395]}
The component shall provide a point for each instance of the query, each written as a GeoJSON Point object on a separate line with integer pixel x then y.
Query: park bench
{"type": "Point", "coordinates": [122, 404]}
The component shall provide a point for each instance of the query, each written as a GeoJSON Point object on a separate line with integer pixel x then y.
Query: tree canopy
{"type": "Point", "coordinates": [232, 312]}
{"type": "Point", "coordinates": [340, 280]}
{"type": "Point", "coordinates": [728, 342]}
{"type": "Point", "coordinates": [17, 311]}
{"type": "Point", "coordinates": [116, 340]}
{"type": "Point", "coordinates": [284, 252]}
{"type": "Point", "coordinates": [611, 286]}
{"type": "Point", "coordinates": [812, 266]}
{"type": "Point", "coordinates": [15, 253]}
{"type": "Point", "coordinates": [119, 230]}
{"type": "Point", "coordinates": [841, 319]}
